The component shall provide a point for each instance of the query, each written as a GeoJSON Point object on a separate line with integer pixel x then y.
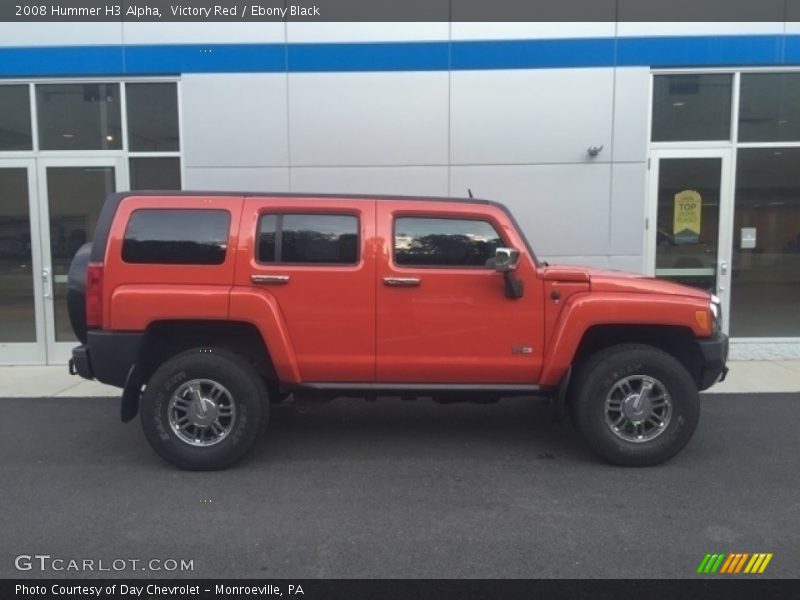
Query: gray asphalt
{"type": "Point", "coordinates": [401, 489]}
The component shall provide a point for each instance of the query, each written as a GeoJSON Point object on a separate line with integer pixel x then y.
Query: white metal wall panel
{"type": "Point", "coordinates": [631, 114]}
{"type": "Point", "coordinates": [49, 33]}
{"type": "Point", "coordinates": [423, 181]}
{"type": "Point", "coordinates": [254, 179]}
{"type": "Point", "coordinates": [628, 206]}
{"type": "Point", "coordinates": [632, 264]}
{"type": "Point", "coordinates": [476, 30]}
{"type": "Point", "coordinates": [669, 28]}
{"type": "Point", "coordinates": [530, 116]}
{"type": "Point", "coordinates": [368, 119]}
{"type": "Point", "coordinates": [309, 31]}
{"type": "Point", "coordinates": [235, 120]}
{"type": "Point", "coordinates": [200, 33]}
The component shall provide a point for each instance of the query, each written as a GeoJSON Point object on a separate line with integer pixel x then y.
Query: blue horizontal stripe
{"type": "Point", "coordinates": [530, 54]}
{"type": "Point", "coordinates": [205, 58]}
{"type": "Point", "coordinates": [411, 56]}
{"type": "Point", "coordinates": [72, 60]}
{"type": "Point", "coordinates": [701, 51]}
{"type": "Point", "coordinates": [164, 59]}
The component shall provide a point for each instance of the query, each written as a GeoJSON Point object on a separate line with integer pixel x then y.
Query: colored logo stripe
{"type": "Point", "coordinates": [735, 562]}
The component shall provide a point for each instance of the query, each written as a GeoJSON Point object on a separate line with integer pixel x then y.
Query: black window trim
{"type": "Point", "coordinates": [279, 214]}
{"type": "Point", "coordinates": [443, 216]}
{"type": "Point", "coordinates": [176, 264]}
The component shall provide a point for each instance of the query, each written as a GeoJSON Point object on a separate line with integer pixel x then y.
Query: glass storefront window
{"type": "Point", "coordinates": [152, 117]}
{"type": "Point", "coordinates": [688, 220]}
{"type": "Point", "coordinates": [769, 107]}
{"type": "Point", "coordinates": [765, 288]}
{"type": "Point", "coordinates": [79, 116]}
{"type": "Point", "coordinates": [17, 317]}
{"type": "Point", "coordinates": [158, 173]}
{"type": "Point", "coordinates": [75, 197]}
{"type": "Point", "coordinates": [15, 118]}
{"type": "Point", "coordinates": [692, 107]}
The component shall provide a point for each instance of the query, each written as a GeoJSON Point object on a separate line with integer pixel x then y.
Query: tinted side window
{"type": "Point", "coordinates": [423, 241]}
{"type": "Point", "coordinates": [176, 237]}
{"type": "Point", "coordinates": [318, 239]}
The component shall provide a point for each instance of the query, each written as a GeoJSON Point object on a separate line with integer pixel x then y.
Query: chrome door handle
{"type": "Point", "coordinates": [279, 279]}
{"type": "Point", "coordinates": [401, 281]}
{"type": "Point", "coordinates": [723, 267]}
{"type": "Point", "coordinates": [46, 283]}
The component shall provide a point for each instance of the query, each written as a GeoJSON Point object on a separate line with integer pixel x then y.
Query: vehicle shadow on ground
{"type": "Point", "coordinates": [389, 427]}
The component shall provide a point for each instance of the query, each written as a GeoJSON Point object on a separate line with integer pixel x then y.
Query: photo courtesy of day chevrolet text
{"type": "Point", "coordinates": [153, 591]}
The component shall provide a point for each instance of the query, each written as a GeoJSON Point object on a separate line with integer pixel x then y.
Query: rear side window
{"type": "Point", "coordinates": [436, 242]}
{"type": "Point", "coordinates": [314, 239]}
{"type": "Point", "coordinates": [176, 237]}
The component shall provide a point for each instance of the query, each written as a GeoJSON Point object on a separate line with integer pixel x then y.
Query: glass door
{"type": "Point", "coordinates": [22, 329]}
{"type": "Point", "coordinates": [690, 220]}
{"type": "Point", "coordinates": [72, 193]}
{"type": "Point", "coordinates": [765, 294]}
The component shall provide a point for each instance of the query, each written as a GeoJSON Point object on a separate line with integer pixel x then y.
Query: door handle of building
{"type": "Point", "coordinates": [275, 279]}
{"type": "Point", "coordinates": [401, 281]}
{"type": "Point", "coordinates": [723, 267]}
{"type": "Point", "coordinates": [46, 282]}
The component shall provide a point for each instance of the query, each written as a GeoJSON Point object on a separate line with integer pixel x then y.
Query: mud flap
{"type": "Point", "coordinates": [129, 407]}
{"type": "Point", "coordinates": [558, 401]}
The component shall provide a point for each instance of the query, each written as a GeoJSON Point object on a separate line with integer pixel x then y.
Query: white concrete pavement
{"type": "Point", "coordinates": [36, 381]}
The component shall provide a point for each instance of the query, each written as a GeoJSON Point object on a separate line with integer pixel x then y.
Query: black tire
{"type": "Point", "coordinates": [247, 393]}
{"type": "Point", "coordinates": [598, 376]}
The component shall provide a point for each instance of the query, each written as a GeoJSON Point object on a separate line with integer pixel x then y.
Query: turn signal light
{"type": "Point", "coordinates": [94, 295]}
{"type": "Point", "coordinates": [701, 316]}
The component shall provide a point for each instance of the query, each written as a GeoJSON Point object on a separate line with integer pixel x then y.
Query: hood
{"type": "Point", "coordinates": [619, 281]}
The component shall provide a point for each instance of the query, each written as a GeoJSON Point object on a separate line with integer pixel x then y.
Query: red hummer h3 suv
{"type": "Point", "coordinates": [206, 307]}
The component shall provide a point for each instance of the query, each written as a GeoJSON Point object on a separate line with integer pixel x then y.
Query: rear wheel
{"type": "Point", "coordinates": [635, 404]}
{"type": "Point", "coordinates": [204, 408]}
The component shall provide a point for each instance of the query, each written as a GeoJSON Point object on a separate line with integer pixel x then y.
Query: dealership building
{"type": "Point", "coordinates": [671, 149]}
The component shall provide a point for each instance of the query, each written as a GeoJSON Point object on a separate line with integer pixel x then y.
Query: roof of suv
{"type": "Point", "coordinates": [251, 194]}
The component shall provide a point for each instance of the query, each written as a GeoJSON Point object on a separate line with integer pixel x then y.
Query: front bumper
{"type": "Point", "coordinates": [715, 356]}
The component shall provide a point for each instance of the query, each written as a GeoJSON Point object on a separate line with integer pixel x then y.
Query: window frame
{"type": "Point", "coordinates": [124, 238]}
{"type": "Point", "coordinates": [449, 217]}
{"type": "Point", "coordinates": [32, 126]}
{"type": "Point", "coordinates": [125, 153]}
{"type": "Point", "coordinates": [120, 112]}
{"type": "Point", "coordinates": [733, 105]}
{"type": "Point", "coordinates": [279, 237]}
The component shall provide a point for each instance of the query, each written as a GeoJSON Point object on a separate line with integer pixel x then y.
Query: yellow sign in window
{"type": "Point", "coordinates": [686, 222]}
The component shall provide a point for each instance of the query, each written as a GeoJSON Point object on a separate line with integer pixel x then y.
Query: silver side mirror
{"type": "Point", "coordinates": [505, 259]}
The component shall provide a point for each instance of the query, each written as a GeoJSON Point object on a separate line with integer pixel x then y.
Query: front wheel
{"type": "Point", "coordinates": [635, 405]}
{"type": "Point", "coordinates": [204, 408]}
